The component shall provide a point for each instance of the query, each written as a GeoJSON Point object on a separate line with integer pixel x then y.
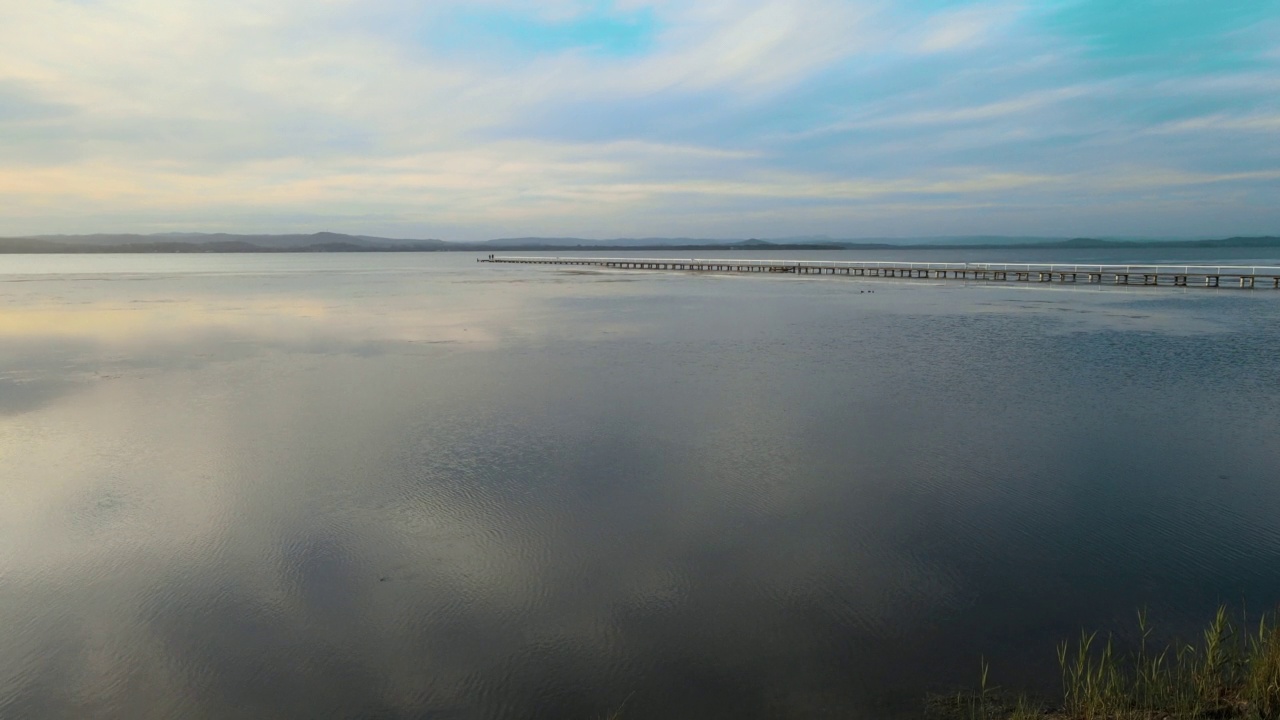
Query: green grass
{"type": "Point", "coordinates": [1232, 672]}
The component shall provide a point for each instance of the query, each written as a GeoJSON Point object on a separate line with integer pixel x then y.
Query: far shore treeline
{"type": "Point", "coordinates": [337, 242]}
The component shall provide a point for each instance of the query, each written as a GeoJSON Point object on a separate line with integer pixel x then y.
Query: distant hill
{"type": "Point", "coordinates": [649, 242]}
{"type": "Point", "coordinates": [212, 242]}
{"type": "Point", "coordinates": [1242, 242]}
{"type": "Point", "coordinates": [825, 242]}
{"type": "Point", "coordinates": [338, 242]}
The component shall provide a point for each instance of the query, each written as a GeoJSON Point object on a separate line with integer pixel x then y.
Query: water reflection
{"type": "Point", "coordinates": [368, 495]}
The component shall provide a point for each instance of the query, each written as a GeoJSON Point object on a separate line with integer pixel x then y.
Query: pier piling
{"type": "Point", "coordinates": [1182, 276]}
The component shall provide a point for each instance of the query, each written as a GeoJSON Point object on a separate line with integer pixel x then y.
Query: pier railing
{"type": "Point", "coordinates": [1244, 276]}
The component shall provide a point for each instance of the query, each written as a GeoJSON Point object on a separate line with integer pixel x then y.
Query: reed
{"type": "Point", "coordinates": [1231, 672]}
{"type": "Point", "coordinates": [618, 713]}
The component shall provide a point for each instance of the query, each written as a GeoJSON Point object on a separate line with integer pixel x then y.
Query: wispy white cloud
{"type": "Point", "coordinates": [1019, 105]}
{"type": "Point", "coordinates": [761, 45]}
{"type": "Point", "coordinates": [1155, 178]}
{"type": "Point", "coordinates": [1222, 122]}
{"type": "Point", "coordinates": [967, 27]}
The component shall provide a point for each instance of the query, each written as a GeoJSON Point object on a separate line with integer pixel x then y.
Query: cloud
{"type": "Point", "coordinates": [1010, 106]}
{"type": "Point", "coordinates": [761, 45]}
{"type": "Point", "coordinates": [966, 27]}
{"type": "Point", "coordinates": [438, 118]}
{"type": "Point", "coordinates": [1222, 122]}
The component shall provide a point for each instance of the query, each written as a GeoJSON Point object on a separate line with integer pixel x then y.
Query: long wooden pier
{"type": "Point", "coordinates": [1210, 276]}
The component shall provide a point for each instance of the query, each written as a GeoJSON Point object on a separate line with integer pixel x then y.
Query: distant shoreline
{"type": "Point", "coordinates": [137, 249]}
{"type": "Point", "coordinates": [335, 243]}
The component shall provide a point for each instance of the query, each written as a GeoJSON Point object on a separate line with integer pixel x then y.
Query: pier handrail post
{"type": "Point", "coordinates": [1211, 272]}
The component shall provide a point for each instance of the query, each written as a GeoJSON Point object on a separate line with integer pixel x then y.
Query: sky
{"type": "Point", "coordinates": [474, 119]}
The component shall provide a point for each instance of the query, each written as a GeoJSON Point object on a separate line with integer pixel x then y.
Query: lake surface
{"type": "Point", "coordinates": [414, 486]}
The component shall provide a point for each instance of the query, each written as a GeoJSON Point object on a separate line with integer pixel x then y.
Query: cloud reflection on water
{"type": "Point", "coordinates": [534, 503]}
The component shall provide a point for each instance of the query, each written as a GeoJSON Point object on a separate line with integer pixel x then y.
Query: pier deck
{"type": "Point", "coordinates": [1211, 276]}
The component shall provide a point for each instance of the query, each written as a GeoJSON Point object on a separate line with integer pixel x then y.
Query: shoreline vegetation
{"type": "Point", "coordinates": [337, 242]}
{"type": "Point", "coordinates": [1231, 672]}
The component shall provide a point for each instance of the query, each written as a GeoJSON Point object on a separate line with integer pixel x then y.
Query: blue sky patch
{"type": "Point", "coordinates": [600, 30]}
{"type": "Point", "coordinates": [1165, 31]}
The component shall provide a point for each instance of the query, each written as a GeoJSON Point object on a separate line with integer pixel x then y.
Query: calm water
{"type": "Point", "coordinates": [413, 486]}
